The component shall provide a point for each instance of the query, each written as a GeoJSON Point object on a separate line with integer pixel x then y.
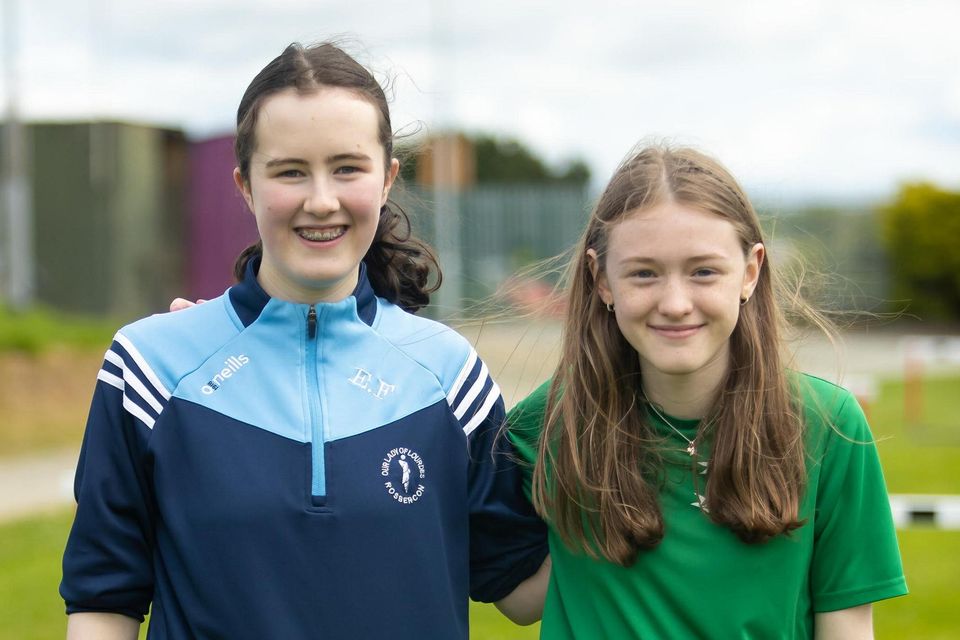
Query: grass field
{"type": "Point", "coordinates": [31, 609]}
{"type": "Point", "coordinates": [30, 560]}
{"type": "Point", "coordinates": [918, 458]}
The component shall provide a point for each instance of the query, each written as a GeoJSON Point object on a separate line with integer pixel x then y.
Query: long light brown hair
{"type": "Point", "coordinates": [598, 471]}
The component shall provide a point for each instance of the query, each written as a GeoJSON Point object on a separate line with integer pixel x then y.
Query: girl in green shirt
{"type": "Point", "coordinates": [693, 486]}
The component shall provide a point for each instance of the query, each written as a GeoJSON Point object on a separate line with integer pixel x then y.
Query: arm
{"type": "Point", "coordinates": [101, 626]}
{"type": "Point", "coordinates": [855, 556]}
{"type": "Point", "coordinates": [108, 559]}
{"type": "Point", "coordinates": [524, 605]}
{"type": "Point", "coordinates": [855, 623]}
{"type": "Point", "coordinates": [508, 541]}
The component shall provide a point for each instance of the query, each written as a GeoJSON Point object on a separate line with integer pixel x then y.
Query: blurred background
{"type": "Point", "coordinates": [842, 121]}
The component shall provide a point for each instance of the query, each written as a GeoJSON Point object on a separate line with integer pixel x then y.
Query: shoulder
{"type": "Point", "coordinates": [534, 405]}
{"type": "Point", "coordinates": [172, 344]}
{"type": "Point", "coordinates": [830, 412]}
{"type": "Point", "coordinates": [432, 344]}
{"type": "Point", "coordinates": [525, 420]}
{"type": "Point", "coordinates": [176, 325]}
{"type": "Point", "coordinates": [413, 332]}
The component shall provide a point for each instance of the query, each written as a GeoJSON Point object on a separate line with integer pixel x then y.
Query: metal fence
{"type": "Point", "coordinates": [501, 228]}
{"type": "Point", "coordinates": [840, 249]}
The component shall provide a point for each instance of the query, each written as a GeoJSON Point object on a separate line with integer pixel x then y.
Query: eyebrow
{"type": "Point", "coordinates": [339, 157]}
{"type": "Point", "coordinates": [700, 258]}
{"type": "Point", "coordinates": [348, 156]}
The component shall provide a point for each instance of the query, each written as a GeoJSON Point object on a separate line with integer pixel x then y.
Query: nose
{"type": "Point", "coordinates": [322, 199]}
{"type": "Point", "coordinates": [675, 300]}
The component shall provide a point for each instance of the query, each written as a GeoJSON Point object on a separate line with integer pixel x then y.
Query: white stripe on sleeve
{"type": "Point", "coordinates": [475, 390]}
{"type": "Point", "coordinates": [110, 379]}
{"type": "Point", "coordinates": [147, 371]}
{"type": "Point", "coordinates": [132, 381]}
{"type": "Point", "coordinates": [462, 377]}
{"type": "Point", "coordinates": [137, 411]}
{"type": "Point", "coordinates": [484, 411]}
{"type": "Point", "coordinates": [114, 358]}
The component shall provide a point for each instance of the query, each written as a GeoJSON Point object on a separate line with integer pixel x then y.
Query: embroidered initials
{"type": "Point", "coordinates": [363, 378]}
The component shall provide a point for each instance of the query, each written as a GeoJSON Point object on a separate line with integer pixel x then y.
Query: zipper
{"type": "Point", "coordinates": [312, 322]}
{"type": "Point", "coordinates": [318, 488]}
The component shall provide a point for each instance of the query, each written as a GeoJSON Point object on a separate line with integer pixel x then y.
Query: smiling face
{"type": "Point", "coordinates": [318, 178]}
{"type": "Point", "coordinates": [675, 276]}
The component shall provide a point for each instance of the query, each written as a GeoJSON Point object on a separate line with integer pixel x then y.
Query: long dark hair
{"type": "Point", "coordinates": [401, 267]}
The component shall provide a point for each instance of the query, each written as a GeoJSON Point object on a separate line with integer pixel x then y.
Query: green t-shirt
{"type": "Point", "coordinates": [702, 581]}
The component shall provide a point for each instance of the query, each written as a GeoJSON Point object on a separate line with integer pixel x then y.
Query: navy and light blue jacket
{"type": "Point", "coordinates": [255, 468]}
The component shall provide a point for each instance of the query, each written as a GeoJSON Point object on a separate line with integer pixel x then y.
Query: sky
{"type": "Point", "coordinates": [811, 100]}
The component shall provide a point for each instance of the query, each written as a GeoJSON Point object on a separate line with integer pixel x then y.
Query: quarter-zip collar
{"type": "Point", "coordinates": [248, 297]}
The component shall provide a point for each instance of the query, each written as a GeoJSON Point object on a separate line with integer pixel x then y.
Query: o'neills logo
{"type": "Point", "coordinates": [230, 366]}
{"type": "Point", "coordinates": [404, 474]}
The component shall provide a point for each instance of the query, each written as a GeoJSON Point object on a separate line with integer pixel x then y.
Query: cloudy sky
{"type": "Point", "coordinates": [811, 99]}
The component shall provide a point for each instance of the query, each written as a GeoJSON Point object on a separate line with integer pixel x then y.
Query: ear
{"type": "Point", "coordinates": [599, 277]}
{"type": "Point", "coordinates": [388, 180]}
{"type": "Point", "coordinates": [244, 187]}
{"type": "Point", "coordinates": [751, 275]}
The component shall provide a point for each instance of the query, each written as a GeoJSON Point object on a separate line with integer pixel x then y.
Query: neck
{"type": "Point", "coordinates": [685, 396]}
{"type": "Point", "coordinates": [281, 287]}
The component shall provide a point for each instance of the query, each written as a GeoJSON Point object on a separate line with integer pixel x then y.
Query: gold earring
{"type": "Point", "coordinates": [744, 300]}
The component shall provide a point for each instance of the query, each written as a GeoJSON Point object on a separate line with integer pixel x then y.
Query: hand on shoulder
{"type": "Point", "coordinates": [179, 304]}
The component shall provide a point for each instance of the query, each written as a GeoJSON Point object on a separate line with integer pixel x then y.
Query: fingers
{"type": "Point", "coordinates": [179, 304]}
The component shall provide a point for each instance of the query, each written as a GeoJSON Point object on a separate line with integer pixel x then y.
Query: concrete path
{"type": "Point", "coordinates": [36, 483]}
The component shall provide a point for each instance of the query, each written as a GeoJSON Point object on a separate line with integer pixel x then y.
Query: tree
{"type": "Point", "coordinates": [921, 230]}
{"type": "Point", "coordinates": [576, 172]}
{"type": "Point", "coordinates": [507, 161]}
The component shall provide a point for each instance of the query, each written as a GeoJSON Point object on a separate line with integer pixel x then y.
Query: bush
{"type": "Point", "coordinates": [39, 329]}
{"type": "Point", "coordinates": [920, 229]}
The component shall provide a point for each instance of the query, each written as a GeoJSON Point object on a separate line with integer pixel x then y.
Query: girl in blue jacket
{"type": "Point", "coordinates": [301, 457]}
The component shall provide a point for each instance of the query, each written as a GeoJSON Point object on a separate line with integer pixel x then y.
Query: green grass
{"type": "Point", "coordinates": [924, 457]}
{"type": "Point", "coordinates": [931, 562]}
{"type": "Point", "coordinates": [486, 623]}
{"type": "Point", "coordinates": [30, 552]}
{"type": "Point", "coordinates": [38, 329]}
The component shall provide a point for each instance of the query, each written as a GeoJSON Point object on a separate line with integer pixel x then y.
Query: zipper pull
{"type": "Point", "coordinates": [312, 323]}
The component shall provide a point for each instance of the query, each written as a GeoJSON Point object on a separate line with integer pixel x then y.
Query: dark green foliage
{"type": "Point", "coordinates": [576, 172]}
{"type": "Point", "coordinates": [921, 230]}
{"type": "Point", "coordinates": [505, 161]}
{"type": "Point", "coordinates": [38, 329]}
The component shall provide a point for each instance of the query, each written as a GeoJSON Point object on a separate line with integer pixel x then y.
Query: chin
{"type": "Point", "coordinates": [678, 370]}
{"type": "Point", "coordinates": [673, 366]}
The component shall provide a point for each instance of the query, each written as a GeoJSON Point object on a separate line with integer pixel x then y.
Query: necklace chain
{"type": "Point", "coordinates": [701, 501]}
{"type": "Point", "coordinates": [691, 444]}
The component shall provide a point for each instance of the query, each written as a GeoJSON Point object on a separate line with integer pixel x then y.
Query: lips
{"type": "Point", "coordinates": [676, 332]}
{"type": "Point", "coordinates": [325, 234]}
